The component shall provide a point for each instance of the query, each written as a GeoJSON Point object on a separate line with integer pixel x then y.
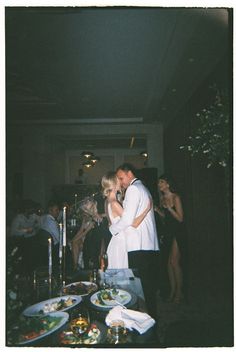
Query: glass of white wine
{"type": "Point", "coordinates": [80, 322]}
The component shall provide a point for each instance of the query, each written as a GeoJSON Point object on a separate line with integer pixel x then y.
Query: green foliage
{"type": "Point", "coordinates": [212, 135]}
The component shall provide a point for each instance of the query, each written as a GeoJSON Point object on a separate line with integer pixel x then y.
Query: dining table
{"type": "Point", "coordinates": [125, 280]}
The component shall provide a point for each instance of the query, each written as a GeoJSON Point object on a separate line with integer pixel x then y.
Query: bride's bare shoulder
{"type": "Point", "coordinates": [116, 208]}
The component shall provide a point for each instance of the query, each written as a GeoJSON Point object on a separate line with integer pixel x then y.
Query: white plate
{"type": "Point", "coordinates": [87, 284]}
{"type": "Point", "coordinates": [35, 309]}
{"type": "Point", "coordinates": [123, 297]}
{"type": "Point", "coordinates": [64, 318]}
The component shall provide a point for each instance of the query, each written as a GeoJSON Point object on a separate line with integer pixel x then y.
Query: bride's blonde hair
{"type": "Point", "coordinates": [109, 180]}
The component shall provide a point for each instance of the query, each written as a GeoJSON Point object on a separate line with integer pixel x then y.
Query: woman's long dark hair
{"type": "Point", "coordinates": [170, 181]}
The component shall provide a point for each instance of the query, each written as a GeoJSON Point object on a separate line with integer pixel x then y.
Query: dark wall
{"type": "Point", "coordinates": [149, 176]}
{"type": "Point", "coordinates": [207, 208]}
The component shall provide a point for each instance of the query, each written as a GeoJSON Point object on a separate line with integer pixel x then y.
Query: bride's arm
{"type": "Point", "coordinates": [139, 219]}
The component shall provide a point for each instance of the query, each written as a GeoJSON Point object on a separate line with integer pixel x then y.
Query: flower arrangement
{"type": "Point", "coordinates": [212, 136]}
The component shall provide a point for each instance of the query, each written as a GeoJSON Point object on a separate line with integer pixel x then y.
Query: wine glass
{"type": "Point", "coordinates": [80, 322]}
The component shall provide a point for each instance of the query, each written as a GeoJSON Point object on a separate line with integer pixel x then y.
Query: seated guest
{"type": "Point", "coordinates": [49, 226]}
{"type": "Point", "coordinates": [23, 229]}
{"type": "Point", "coordinates": [48, 221]}
{"type": "Point", "coordinates": [24, 224]}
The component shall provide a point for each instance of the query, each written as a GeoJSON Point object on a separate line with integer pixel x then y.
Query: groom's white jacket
{"type": "Point", "coordinates": [144, 237]}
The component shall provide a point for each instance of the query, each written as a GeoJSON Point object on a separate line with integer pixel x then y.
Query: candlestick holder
{"type": "Point", "coordinates": [50, 286]}
{"type": "Point", "coordinates": [64, 266]}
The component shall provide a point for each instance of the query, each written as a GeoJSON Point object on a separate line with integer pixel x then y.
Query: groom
{"type": "Point", "coordinates": [142, 242]}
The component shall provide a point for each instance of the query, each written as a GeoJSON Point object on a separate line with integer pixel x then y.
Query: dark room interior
{"type": "Point", "coordinates": [118, 82]}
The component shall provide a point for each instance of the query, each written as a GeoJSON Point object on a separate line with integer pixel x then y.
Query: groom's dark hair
{"type": "Point", "coordinates": [127, 167]}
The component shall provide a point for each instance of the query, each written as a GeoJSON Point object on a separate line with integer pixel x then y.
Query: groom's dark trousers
{"type": "Point", "coordinates": [146, 262]}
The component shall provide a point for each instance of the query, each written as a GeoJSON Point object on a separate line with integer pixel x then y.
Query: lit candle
{"type": "Point", "coordinates": [75, 201]}
{"type": "Point", "coordinates": [64, 226]}
{"type": "Point", "coordinates": [60, 241]}
{"type": "Point", "coordinates": [34, 280]}
{"type": "Point", "coordinates": [49, 256]}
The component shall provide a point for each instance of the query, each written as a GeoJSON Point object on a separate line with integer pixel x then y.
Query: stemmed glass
{"type": "Point", "coordinates": [80, 322]}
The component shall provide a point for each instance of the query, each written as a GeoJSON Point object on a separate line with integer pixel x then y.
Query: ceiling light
{"type": "Point", "coordinates": [87, 164]}
{"type": "Point", "coordinates": [144, 154]}
{"type": "Point", "coordinates": [87, 154]}
{"type": "Point", "coordinates": [94, 159]}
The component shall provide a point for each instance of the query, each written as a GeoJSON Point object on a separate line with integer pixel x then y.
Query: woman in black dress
{"type": "Point", "coordinates": [171, 211]}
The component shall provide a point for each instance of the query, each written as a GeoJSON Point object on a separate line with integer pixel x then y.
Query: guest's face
{"type": "Point", "coordinates": [54, 211]}
{"type": "Point", "coordinates": [125, 177]}
{"type": "Point", "coordinates": [163, 185]}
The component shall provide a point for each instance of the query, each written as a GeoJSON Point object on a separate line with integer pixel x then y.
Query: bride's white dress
{"type": "Point", "coordinates": [116, 251]}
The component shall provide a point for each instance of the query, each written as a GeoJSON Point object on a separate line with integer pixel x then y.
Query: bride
{"type": "Point", "coordinates": [116, 251]}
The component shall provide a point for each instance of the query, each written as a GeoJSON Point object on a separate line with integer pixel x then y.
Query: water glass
{"type": "Point", "coordinates": [117, 332]}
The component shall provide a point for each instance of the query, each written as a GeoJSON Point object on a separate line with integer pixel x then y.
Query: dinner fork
{"type": "Point", "coordinates": [120, 304]}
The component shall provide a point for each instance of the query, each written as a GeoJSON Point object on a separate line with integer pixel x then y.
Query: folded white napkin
{"type": "Point", "coordinates": [131, 318]}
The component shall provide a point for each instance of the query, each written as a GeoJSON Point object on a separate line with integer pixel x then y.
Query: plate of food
{"type": "Point", "coordinates": [80, 288]}
{"type": "Point", "coordinates": [62, 303]}
{"type": "Point", "coordinates": [27, 330]}
{"type": "Point", "coordinates": [109, 298]}
{"type": "Point", "coordinates": [90, 337]}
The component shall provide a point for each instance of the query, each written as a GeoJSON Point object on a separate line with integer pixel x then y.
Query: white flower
{"type": "Point", "coordinates": [208, 165]}
{"type": "Point", "coordinates": [206, 151]}
{"type": "Point", "coordinates": [181, 147]}
{"type": "Point", "coordinates": [189, 147]}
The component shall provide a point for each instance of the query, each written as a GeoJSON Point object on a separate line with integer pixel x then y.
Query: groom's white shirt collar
{"type": "Point", "coordinates": [135, 179]}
